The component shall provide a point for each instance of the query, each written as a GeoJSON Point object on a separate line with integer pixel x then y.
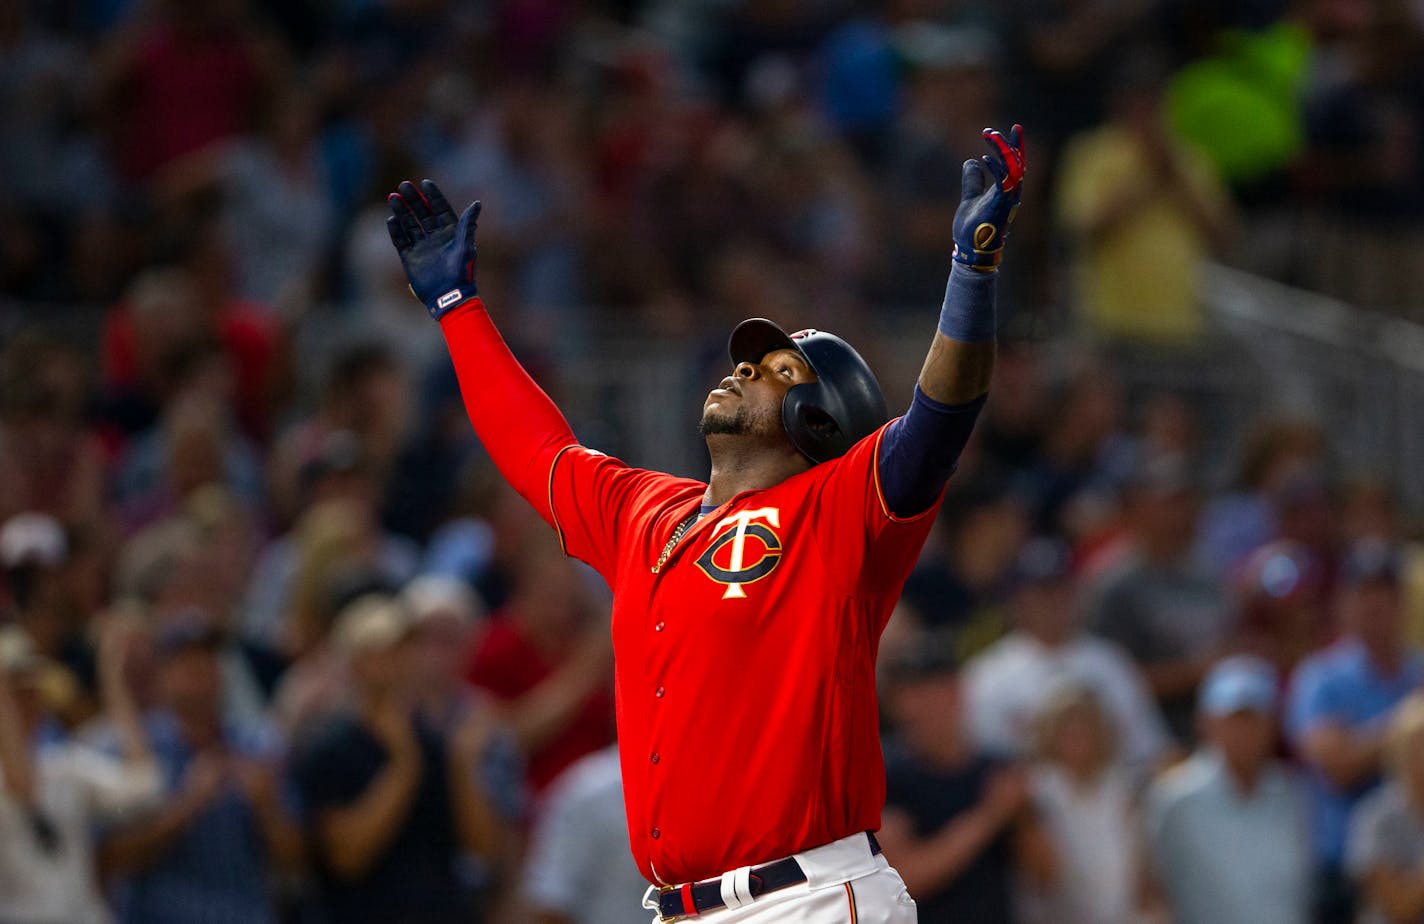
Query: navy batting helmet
{"type": "Point", "coordinates": [826, 417]}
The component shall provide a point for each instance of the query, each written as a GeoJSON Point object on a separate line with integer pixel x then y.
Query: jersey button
{"type": "Point", "coordinates": [655, 758]}
{"type": "Point", "coordinates": [658, 692]}
{"type": "Point", "coordinates": [655, 834]}
{"type": "Point", "coordinates": [658, 627]}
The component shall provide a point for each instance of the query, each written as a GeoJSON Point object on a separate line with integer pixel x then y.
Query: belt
{"type": "Point", "coordinates": [678, 902]}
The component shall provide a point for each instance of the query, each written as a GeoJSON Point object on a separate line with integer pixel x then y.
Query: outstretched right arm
{"type": "Point", "coordinates": [521, 428]}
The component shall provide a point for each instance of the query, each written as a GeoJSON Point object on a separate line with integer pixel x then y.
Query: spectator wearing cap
{"type": "Point", "coordinates": [35, 556]}
{"type": "Point", "coordinates": [393, 807]}
{"type": "Point", "coordinates": [1384, 853]}
{"type": "Point", "coordinates": [1164, 610]}
{"type": "Point", "coordinates": [958, 822]}
{"type": "Point", "coordinates": [52, 795]}
{"type": "Point", "coordinates": [1283, 603]}
{"type": "Point", "coordinates": [1228, 829]}
{"type": "Point", "coordinates": [224, 831]}
{"type": "Point", "coordinates": [1008, 684]}
{"type": "Point", "coordinates": [1340, 701]}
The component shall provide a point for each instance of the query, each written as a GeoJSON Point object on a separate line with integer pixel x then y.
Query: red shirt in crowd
{"type": "Point", "coordinates": [745, 661]}
{"type": "Point", "coordinates": [508, 665]}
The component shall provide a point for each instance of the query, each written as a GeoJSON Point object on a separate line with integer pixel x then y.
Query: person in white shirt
{"type": "Point", "coordinates": [1010, 681]}
{"type": "Point", "coordinates": [580, 868]}
{"type": "Point", "coordinates": [1088, 807]}
{"type": "Point", "coordinates": [53, 795]}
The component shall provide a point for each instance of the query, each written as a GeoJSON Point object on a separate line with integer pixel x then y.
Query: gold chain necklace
{"type": "Point", "coordinates": [672, 543]}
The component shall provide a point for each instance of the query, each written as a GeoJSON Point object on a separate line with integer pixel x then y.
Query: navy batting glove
{"type": "Point", "coordinates": [436, 249]}
{"type": "Point", "coordinates": [991, 188]}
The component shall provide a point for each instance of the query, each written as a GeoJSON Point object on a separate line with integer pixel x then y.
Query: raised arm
{"type": "Point", "coordinates": [516, 421]}
{"type": "Point", "coordinates": [919, 450]}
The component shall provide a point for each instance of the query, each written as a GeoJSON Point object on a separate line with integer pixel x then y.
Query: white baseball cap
{"type": "Point", "coordinates": [32, 539]}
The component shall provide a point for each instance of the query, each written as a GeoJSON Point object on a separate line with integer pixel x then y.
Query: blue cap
{"type": "Point", "coordinates": [1237, 684]}
{"type": "Point", "coordinates": [1370, 560]}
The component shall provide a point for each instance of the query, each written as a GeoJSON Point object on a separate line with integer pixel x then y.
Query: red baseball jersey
{"type": "Point", "coordinates": [748, 726]}
{"type": "Point", "coordinates": [745, 656]}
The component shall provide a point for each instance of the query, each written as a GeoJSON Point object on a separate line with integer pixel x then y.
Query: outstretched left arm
{"type": "Point", "coordinates": [920, 450]}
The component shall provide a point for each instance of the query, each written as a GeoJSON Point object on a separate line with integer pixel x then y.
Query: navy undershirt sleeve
{"type": "Point", "coordinates": [919, 451]}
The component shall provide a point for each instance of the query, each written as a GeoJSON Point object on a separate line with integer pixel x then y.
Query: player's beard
{"type": "Point", "coordinates": [737, 423]}
{"type": "Point", "coordinates": [740, 422]}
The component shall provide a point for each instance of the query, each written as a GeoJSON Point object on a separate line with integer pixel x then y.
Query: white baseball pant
{"type": "Point", "coordinates": [845, 884]}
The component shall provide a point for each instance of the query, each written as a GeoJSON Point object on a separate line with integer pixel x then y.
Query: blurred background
{"type": "Point", "coordinates": [277, 643]}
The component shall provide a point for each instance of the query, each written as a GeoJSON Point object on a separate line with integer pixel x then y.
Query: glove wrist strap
{"type": "Point", "coordinates": [449, 301]}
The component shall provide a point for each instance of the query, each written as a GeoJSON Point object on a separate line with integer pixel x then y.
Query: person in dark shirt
{"type": "Point", "coordinates": [957, 824]}
{"type": "Point", "coordinates": [962, 584]}
{"type": "Point", "coordinates": [394, 807]}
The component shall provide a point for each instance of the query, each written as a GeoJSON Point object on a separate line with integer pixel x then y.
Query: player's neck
{"type": "Point", "coordinates": [739, 466]}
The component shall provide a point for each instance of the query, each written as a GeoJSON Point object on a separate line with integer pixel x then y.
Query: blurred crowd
{"type": "Point", "coordinates": [277, 644]}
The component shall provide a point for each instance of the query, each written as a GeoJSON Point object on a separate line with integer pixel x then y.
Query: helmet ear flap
{"type": "Point", "coordinates": [813, 429]}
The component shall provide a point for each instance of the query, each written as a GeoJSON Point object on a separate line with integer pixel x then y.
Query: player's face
{"type": "Point", "coordinates": [748, 402]}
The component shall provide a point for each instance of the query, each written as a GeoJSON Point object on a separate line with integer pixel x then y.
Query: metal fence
{"type": "Point", "coordinates": [1359, 373]}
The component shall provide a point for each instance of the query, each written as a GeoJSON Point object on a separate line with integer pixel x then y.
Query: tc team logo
{"type": "Point", "coordinates": [747, 552]}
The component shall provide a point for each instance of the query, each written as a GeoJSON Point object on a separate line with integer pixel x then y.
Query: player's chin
{"type": "Point", "coordinates": [716, 421]}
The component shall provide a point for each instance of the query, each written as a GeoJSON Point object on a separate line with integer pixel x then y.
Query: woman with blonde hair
{"type": "Point", "coordinates": [1088, 807]}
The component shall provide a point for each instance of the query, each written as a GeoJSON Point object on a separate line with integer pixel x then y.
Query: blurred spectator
{"type": "Point", "coordinates": [1228, 828]}
{"type": "Point", "coordinates": [1283, 601]}
{"type": "Point", "coordinates": [276, 212]}
{"type": "Point", "coordinates": [1070, 48]}
{"type": "Point", "coordinates": [1145, 211]}
{"type": "Point", "coordinates": [50, 461]}
{"type": "Point", "coordinates": [960, 581]}
{"type": "Point", "coordinates": [365, 401]}
{"type": "Point", "coordinates": [1007, 685]}
{"type": "Point", "coordinates": [394, 807]}
{"type": "Point", "coordinates": [861, 77]}
{"type": "Point", "coordinates": [446, 617]}
{"type": "Point", "coordinates": [199, 560]}
{"type": "Point", "coordinates": [1276, 453]}
{"type": "Point", "coordinates": [1242, 105]}
{"type": "Point", "coordinates": [165, 312]}
{"type": "Point", "coordinates": [290, 584]}
{"type": "Point", "coordinates": [54, 793]}
{"type": "Point", "coordinates": [958, 823]}
{"type": "Point", "coordinates": [36, 557]}
{"type": "Point", "coordinates": [1340, 701]}
{"type": "Point", "coordinates": [195, 443]}
{"type": "Point", "coordinates": [1369, 107]}
{"type": "Point", "coordinates": [547, 659]}
{"type": "Point", "coordinates": [1011, 429]}
{"type": "Point", "coordinates": [1172, 618]}
{"type": "Point", "coordinates": [225, 830]}
{"type": "Point", "coordinates": [1088, 809]}
{"type": "Point", "coordinates": [950, 95]}
{"type": "Point", "coordinates": [188, 78]}
{"type": "Point", "coordinates": [1084, 452]}
{"type": "Point", "coordinates": [579, 869]}
{"type": "Point", "coordinates": [520, 159]}
{"type": "Point", "coordinates": [1384, 854]}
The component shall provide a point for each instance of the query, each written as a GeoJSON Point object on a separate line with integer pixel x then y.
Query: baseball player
{"type": "Point", "coordinates": [747, 609]}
